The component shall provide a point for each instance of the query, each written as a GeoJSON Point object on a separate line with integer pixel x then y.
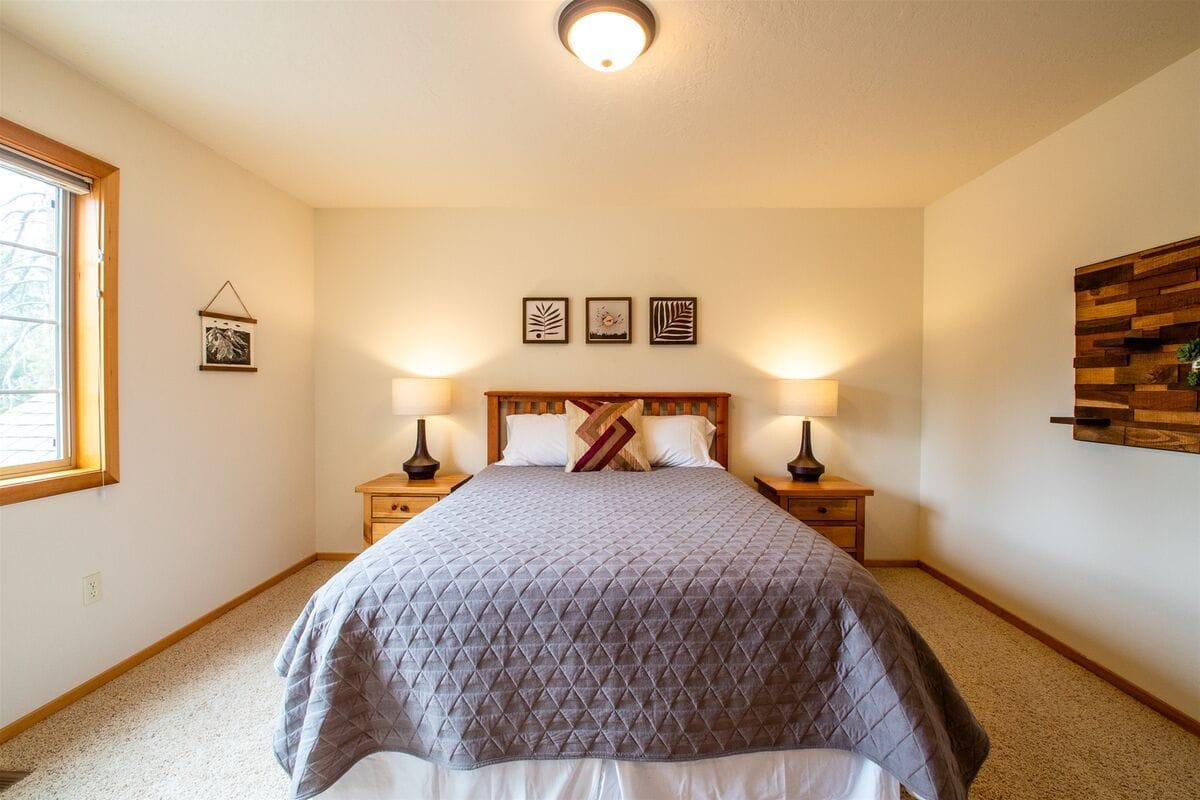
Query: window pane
{"type": "Point", "coordinates": [28, 355]}
{"type": "Point", "coordinates": [28, 284]}
{"type": "Point", "coordinates": [29, 430]}
{"type": "Point", "coordinates": [31, 353]}
{"type": "Point", "coordinates": [28, 212]}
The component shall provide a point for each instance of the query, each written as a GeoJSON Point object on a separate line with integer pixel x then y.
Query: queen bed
{"type": "Point", "coordinates": [618, 636]}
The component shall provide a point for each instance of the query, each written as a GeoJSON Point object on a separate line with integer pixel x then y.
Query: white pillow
{"type": "Point", "coordinates": [535, 440]}
{"type": "Point", "coordinates": [678, 441]}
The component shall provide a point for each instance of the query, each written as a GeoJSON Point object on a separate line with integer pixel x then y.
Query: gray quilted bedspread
{"type": "Point", "coordinates": [661, 616]}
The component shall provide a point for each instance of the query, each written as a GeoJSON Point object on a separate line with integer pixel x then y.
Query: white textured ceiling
{"type": "Point", "coordinates": [735, 104]}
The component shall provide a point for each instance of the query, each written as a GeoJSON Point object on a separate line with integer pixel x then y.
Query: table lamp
{"type": "Point", "coordinates": [808, 398]}
{"type": "Point", "coordinates": [420, 397]}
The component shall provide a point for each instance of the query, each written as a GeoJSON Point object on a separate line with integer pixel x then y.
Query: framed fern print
{"type": "Point", "coordinates": [672, 320]}
{"type": "Point", "coordinates": [545, 320]}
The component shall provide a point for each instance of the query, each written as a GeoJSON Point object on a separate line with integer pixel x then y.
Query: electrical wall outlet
{"type": "Point", "coordinates": [91, 588]}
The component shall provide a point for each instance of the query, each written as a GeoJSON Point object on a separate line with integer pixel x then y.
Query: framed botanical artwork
{"type": "Point", "coordinates": [609, 320]}
{"type": "Point", "coordinates": [672, 320]}
{"type": "Point", "coordinates": [545, 320]}
{"type": "Point", "coordinates": [226, 342]}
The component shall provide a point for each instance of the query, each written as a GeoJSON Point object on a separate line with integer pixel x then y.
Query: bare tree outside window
{"type": "Point", "coordinates": [32, 310]}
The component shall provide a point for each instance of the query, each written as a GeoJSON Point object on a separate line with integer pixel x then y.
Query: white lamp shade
{"type": "Point", "coordinates": [607, 41]}
{"type": "Point", "coordinates": [420, 397]}
{"type": "Point", "coordinates": [816, 398]}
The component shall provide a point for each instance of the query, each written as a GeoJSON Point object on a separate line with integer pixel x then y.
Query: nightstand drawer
{"type": "Point", "coordinates": [399, 506]}
{"type": "Point", "coordinates": [843, 536]}
{"type": "Point", "coordinates": [817, 509]}
{"type": "Point", "coordinates": [382, 529]}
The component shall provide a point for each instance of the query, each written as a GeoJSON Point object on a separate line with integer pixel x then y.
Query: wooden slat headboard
{"type": "Point", "coordinates": [713, 405]}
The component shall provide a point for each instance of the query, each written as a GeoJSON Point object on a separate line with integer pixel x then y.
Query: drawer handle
{"type": "Point", "coordinates": [822, 510]}
{"type": "Point", "coordinates": [398, 506]}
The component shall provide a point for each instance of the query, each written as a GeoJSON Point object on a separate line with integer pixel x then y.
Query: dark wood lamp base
{"type": "Point", "coordinates": [805, 467]}
{"type": "Point", "coordinates": [422, 466]}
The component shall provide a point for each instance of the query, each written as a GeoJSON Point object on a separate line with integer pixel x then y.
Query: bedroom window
{"type": "Point", "coordinates": [58, 413]}
{"type": "Point", "coordinates": [35, 297]}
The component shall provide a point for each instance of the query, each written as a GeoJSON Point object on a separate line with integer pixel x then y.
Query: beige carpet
{"type": "Point", "coordinates": [195, 721]}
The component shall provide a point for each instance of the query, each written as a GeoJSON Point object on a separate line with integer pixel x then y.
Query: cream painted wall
{"type": "Point", "coordinates": [1098, 545]}
{"type": "Point", "coordinates": [781, 293]}
{"type": "Point", "coordinates": [216, 470]}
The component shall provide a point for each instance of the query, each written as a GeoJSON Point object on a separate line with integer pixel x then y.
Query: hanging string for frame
{"type": "Point", "coordinates": [227, 340]}
{"type": "Point", "coordinates": [248, 318]}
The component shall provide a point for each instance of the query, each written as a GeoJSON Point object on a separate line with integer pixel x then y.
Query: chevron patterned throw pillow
{"type": "Point", "coordinates": [605, 436]}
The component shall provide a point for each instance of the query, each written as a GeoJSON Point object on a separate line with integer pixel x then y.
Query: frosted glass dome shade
{"type": "Point", "coordinates": [607, 35]}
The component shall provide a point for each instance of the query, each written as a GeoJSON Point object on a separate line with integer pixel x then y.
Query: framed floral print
{"type": "Point", "coordinates": [609, 320]}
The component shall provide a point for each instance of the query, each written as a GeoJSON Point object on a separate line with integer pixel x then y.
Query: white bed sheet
{"type": "Point", "coordinates": [781, 775]}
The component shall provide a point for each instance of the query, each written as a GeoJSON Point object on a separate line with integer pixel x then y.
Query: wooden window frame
{"type": "Point", "coordinates": [93, 332]}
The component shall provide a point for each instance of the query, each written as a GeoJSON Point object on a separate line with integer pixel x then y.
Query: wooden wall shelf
{"type": "Point", "coordinates": [1094, 422]}
{"type": "Point", "coordinates": [1130, 342]}
{"type": "Point", "coordinates": [1131, 315]}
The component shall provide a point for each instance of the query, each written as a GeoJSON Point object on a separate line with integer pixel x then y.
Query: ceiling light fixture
{"type": "Point", "coordinates": [607, 35]}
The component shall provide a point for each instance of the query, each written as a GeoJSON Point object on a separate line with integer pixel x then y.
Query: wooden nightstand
{"type": "Point", "coordinates": [392, 500]}
{"type": "Point", "coordinates": [834, 507]}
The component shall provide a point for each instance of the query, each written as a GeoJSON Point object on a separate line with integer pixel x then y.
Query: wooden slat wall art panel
{"type": "Point", "coordinates": [1131, 315]}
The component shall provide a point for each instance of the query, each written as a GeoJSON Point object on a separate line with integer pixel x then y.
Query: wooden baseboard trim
{"type": "Point", "coordinates": [87, 687]}
{"type": "Point", "coordinates": [337, 556]}
{"type": "Point", "coordinates": [1169, 711]}
{"type": "Point", "coordinates": [885, 563]}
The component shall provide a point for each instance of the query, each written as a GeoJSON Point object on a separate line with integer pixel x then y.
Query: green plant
{"type": "Point", "coordinates": [1191, 352]}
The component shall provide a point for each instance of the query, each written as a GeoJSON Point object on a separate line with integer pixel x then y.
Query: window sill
{"type": "Point", "coordinates": [47, 484]}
